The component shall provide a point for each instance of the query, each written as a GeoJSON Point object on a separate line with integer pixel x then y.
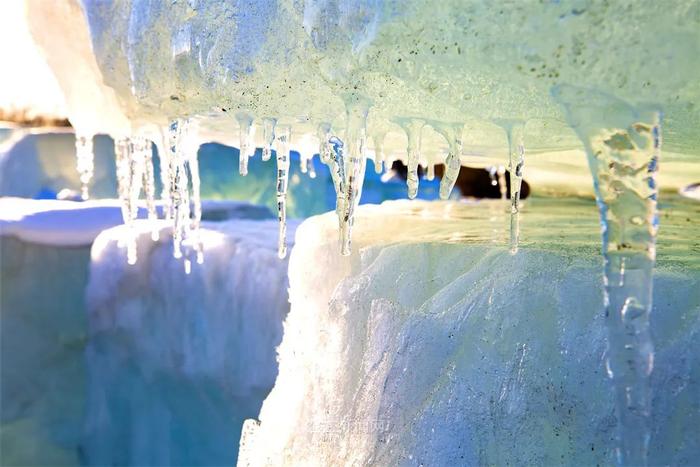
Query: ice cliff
{"type": "Point", "coordinates": [428, 346]}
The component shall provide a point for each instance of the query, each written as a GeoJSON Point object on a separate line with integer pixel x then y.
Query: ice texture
{"type": "Point", "coordinates": [431, 345]}
{"type": "Point", "coordinates": [176, 361]}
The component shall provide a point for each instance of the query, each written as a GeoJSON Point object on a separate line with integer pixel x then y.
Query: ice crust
{"type": "Point", "coordinates": [427, 348]}
{"type": "Point", "coordinates": [301, 62]}
{"type": "Point", "coordinates": [176, 362]}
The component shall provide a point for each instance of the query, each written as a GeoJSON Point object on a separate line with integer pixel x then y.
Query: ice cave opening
{"type": "Point", "coordinates": [349, 232]}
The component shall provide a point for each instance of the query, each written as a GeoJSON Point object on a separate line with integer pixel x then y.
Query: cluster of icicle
{"type": "Point", "coordinates": [345, 158]}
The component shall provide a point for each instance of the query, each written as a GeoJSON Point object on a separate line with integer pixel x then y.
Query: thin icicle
{"type": "Point", "coordinates": [85, 162]}
{"type": "Point", "coordinates": [355, 161]}
{"type": "Point", "coordinates": [129, 179]}
{"type": "Point", "coordinates": [502, 185]}
{"type": "Point", "coordinates": [516, 155]}
{"type": "Point", "coordinates": [493, 170]}
{"type": "Point", "coordinates": [303, 163]}
{"type": "Point", "coordinates": [311, 167]}
{"type": "Point", "coordinates": [164, 151]}
{"type": "Point", "coordinates": [246, 138]}
{"type": "Point", "coordinates": [268, 137]}
{"type": "Point", "coordinates": [414, 129]}
{"type": "Point", "coordinates": [453, 136]}
{"type": "Point", "coordinates": [378, 142]}
{"type": "Point", "coordinates": [149, 186]}
{"type": "Point", "coordinates": [193, 165]}
{"type": "Point", "coordinates": [283, 139]}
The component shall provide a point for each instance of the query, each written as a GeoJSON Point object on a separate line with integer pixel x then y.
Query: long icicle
{"type": "Point", "coordinates": [85, 162]}
{"type": "Point", "coordinates": [284, 136]}
{"type": "Point", "coordinates": [163, 145]}
{"type": "Point", "coordinates": [129, 177]}
{"type": "Point", "coordinates": [149, 186]}
{"type": "Point", "coordinates": [453, 136]}
{"type": "Point", "coordinates": [623, 145]}
{"type": "Point", "coordinates": [355, 162]}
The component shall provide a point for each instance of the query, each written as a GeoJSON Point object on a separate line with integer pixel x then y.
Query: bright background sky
{"type": "Point", "coordinates": [26, 82]}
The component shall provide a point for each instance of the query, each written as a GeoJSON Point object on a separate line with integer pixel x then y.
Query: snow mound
{"type": "Point", "coordinates": [427, 348]}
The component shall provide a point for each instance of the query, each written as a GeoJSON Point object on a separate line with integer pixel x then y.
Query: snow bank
{"type": "Point", "coordinates": [433, 348]}
{"type": "Point", "coordinates": [176, 362]}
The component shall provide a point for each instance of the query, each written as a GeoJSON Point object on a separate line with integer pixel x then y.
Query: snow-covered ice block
{"type": "Point", "coordinates": [176, 362]}
{"type": "Point", "coordinates": [44, 262]}
{"type": "Point", "coordinates": [430, 346]}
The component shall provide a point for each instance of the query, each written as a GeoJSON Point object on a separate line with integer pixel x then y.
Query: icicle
{"type": "Point", "coordinates": [187, 208]}
{"type": "Point", "coordinates": [268, 137]}
{"type": "Point", "coordinates": [130, 168]}
{"type": "Point", "coordinates": [623, 147]}
{"type": "Point", "coordinates": [430, 175]}
{"type": "Point", "coordinates": [492, 175]}
{"type": "Point", "coordinates": [164, 151]}
{"type": "Point", "coordinates": [413, 128]}
{"type": "Point", "coordinates": [312, 168]}
{"type": "Point", "coordinates": [149, 186]}
{"type": "Point", "coordinates": [324, 148]}
{"type": "Point", "coordinates": [516, 158]}
{"type": "Point", "coordinates": [378, 141]}
{"type": "Point", "coordinates": [355, 161]}
{"type": "Point", "coordinates": [246, 138]}
{"type": "Point", "coordinates": [502, 185]}
{"type": "Point", "coordinates": [303, 163]}
{"type": "Point", "coordinates": [284, 140]}
{"type": "Point", "coordinates": [85, 162]}
{"type": "Point", "coordinates": [452, 133]}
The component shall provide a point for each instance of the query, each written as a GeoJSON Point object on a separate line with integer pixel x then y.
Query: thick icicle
{"type": "Point", "coordinates": [414, 129]}
{"type": "Point", "coordinates": [246, 141]}
{"type": "Point", "coordinates": [355, 161]}
{"type": "Point", "coordinates": [516, 160]}
{"type": "Point", "coordinates": [492, 175]}
{"type": "Point", "coordinates": [430, 173]}
{"type": "Point", "coordinates": [268, 137]}
{"type": "Point", "coordinates": [85, 162]}
{"type": "Point", "coordinates": [284, 136]}
{"type": "Point", "coordinates": [187, 210]}
{"type": "Point", "coordinates": [453, 135]}
{"type": "Point", "coordinates": [623, 147]}
{"type": "Point", "coordinates": [336, 166]}
{"type": "Point", "coordinates": [378, 142]}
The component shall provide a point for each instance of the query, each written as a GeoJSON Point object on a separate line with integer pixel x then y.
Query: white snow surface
{"type": "Point", "coordinates": [425, 347]}
{"type": "Point", "coordinates": [74, 223]}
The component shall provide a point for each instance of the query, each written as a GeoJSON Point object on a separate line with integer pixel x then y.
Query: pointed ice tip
{"type": "Point", "coordinates": [513, 250]}
{"type": "Point", "coordinates": [281, 254]}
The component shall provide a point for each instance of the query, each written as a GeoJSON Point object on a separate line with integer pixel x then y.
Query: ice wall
{"type": "Point", "coordinates": [176, 361]}
{"type": "Point", "coordinates": [428, 346]}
